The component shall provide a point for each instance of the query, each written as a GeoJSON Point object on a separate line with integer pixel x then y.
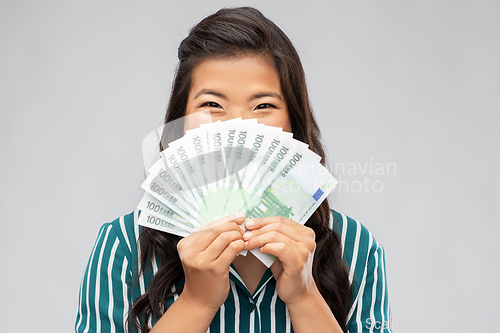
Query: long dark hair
{"type": "Point", "coordinates": [231, 33]}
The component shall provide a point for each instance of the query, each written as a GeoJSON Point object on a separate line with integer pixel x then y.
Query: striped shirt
{"type": "Point", "coordinates": [109, 285]}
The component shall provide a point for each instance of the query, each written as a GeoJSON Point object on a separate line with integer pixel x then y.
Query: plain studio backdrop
{"type": "Point", "coordinates": [406, 94]}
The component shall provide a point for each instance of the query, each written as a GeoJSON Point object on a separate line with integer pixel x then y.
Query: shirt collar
{"type": "Point", "coordinates": [238, 281]}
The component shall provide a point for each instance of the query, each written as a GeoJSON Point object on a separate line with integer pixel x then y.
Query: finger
{"type": "Point", "coordinates": [199, 240]}
{"type": "Point", "coordinates": [230, 252]}
{"type": "Point", "coordinates": [237, 218]}
{"type": "Point", "coordinates": [259, 222]}
{"type": "Point", "coordinates": [270, 237]}
{"type": "Point", "coordinates": [291, 253]}
{"type": "Point", "coordinates": [214, 250]}
{"type": "Point", "coordinates": [296, 231]}
{"type": "Point", "coordinates": [292, 260]}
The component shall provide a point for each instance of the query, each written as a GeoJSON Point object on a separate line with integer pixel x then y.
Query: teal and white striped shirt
{"type": "Point", "coordinates": [109, 285]}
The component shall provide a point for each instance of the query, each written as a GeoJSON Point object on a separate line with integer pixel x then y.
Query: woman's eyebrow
{"type": "Point", "coordinates": [209, 92]}
{"type": "Point", "coordinates": [266, 94]}
{"type": "Point", "coordinates": [256, 96]}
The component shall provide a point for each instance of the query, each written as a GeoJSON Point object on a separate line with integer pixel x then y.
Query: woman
{"type": "Point", "coordinates": [237, 63]}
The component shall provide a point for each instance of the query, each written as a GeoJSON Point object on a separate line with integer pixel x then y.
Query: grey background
{"type": "Point", "coordinates": [406, 93]}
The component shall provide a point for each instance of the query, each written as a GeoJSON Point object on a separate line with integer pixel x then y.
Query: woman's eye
{"type": "Point", "coordinates": [264, 106]}
{"type": "Point", "coordinates": [211, 105]}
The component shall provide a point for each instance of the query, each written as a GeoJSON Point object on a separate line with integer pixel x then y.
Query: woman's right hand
{"type": "Point", "coordinates": [206, 255]}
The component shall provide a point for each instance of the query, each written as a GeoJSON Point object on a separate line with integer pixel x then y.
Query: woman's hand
{"type": "Point", "coordinates": [206, 256]}
{"type": "Point", "coordinates": [294, 245]}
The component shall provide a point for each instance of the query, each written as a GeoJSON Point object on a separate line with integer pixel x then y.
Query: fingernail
{"type": "Point", "coordinates": [239, 215]}
{"type": "Point", "coordinates": [246, 244]}
{"type": "Point", "coordinates": [249, 223]}
{"type": "Point", "coordinates": [247, 235]}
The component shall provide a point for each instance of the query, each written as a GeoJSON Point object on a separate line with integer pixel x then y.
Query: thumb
{"type": "Point", "coordinates": [238, 218]}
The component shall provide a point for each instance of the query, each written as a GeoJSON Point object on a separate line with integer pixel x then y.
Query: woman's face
{"type": "Point", "coordinates": [245, 86]}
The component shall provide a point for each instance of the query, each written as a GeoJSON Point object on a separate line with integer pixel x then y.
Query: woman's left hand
{"type": "Point", "coordinates": [294, 245]}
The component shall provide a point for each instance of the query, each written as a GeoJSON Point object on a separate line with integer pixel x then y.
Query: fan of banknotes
{"type": "Point", "coordinates": [228, 167]}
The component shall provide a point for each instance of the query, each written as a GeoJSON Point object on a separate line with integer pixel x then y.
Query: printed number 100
{"type": "Point", "coordinates": [154, 220]}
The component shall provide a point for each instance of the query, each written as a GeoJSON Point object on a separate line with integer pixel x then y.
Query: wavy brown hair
{"type": "Point", "coordinates": [231, 33]}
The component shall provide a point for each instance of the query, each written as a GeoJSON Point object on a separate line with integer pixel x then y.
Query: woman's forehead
{"type": "Point", "coordinates": [248, 73]}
